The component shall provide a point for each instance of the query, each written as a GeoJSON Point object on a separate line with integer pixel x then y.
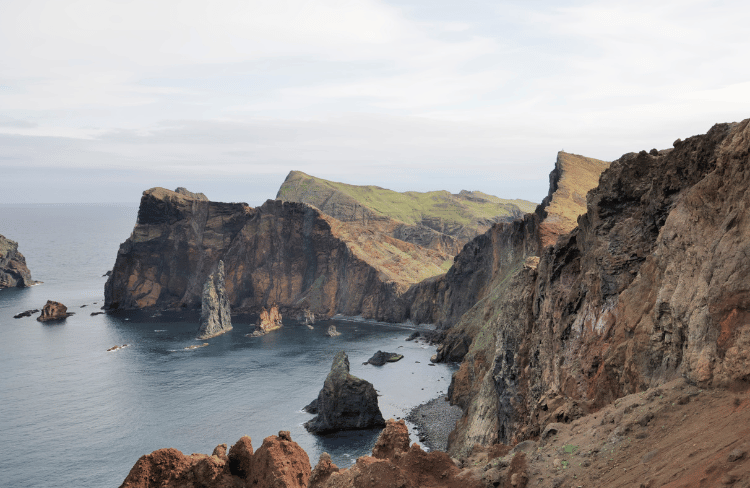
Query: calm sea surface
{"type": "Point", "coordinates": [73, 414]}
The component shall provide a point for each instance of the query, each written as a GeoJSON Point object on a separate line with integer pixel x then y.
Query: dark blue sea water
{"type": "Point", "coordinates": [73, 414]}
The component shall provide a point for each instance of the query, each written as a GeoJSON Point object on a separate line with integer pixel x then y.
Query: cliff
{"type": "Point", "coordinates": [490, 259]}
{"type": "Point", "coordinates": [13, 270]}
{"type": "Point", "coordinates": [437, 220]}
{"type": "Point", "coordinates": [648, 287]}
{"type": "Point", "coordinates": [282, 252]}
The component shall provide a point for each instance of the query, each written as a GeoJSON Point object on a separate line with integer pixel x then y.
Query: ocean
{"type": "Point", "coordinates": [73, 414]}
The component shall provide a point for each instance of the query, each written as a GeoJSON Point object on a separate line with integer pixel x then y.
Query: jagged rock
{"type": "Point", "coordinates": [267, 321]}
{"type": "Point", "coordinates": [345, 402]}
{"type": "Point", "coordinates": [332, 332]}
{"type": "Point", "coordinates": [392, 441]}
{"type": "Point", "coordinates": [170, 468]}
{"type": "Point", "coordinates": [323, 471]}
{"type": "Point", "coordinates": [54, 311]}
{"type": "Point", "coordinates": [220, 451]}
{"type": "Point", "coordinates": [215, 310]}
{"type": "Point", "coordinates": [13, 270]}
{"type": "Point", "coordinates": [279, 462]}
{"type": "Point", "coordinates": [380, 358]}
{"type": "Point", "coordinates": [240, 457]}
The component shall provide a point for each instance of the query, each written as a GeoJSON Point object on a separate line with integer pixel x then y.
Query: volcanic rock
{"type": "Point", "coordinates": [54, 311]}
{"type": "Point", "coordinates": [13, 270]}
{"type": "Point", "coordinates": [267, 321]}
{"type": "Point", "coordinates": [345, 402]}
{"type": "Point", "coordinates": [332, 332]}
{"type": "Point", "coordinates": [392, 441]}
{"type": "Point", "coordinates": [215, 311]}
{"type": "Point", "coordinates": [380, 358]}
{"type": "Point", "coordinates": [282, 252]}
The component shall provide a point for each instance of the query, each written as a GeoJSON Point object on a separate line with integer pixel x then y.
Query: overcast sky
{"type": "Point", "coordinates": [102, 99]}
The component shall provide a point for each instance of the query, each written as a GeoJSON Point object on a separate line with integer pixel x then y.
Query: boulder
{"type": "Point", "coordinates": [345, 402]}
{"type": "Point", "coordinates": [380, 358]}
{"type": "Point", "coordinates": [215, 311]}
{"type": "Point", "coordinates": [54, 311]}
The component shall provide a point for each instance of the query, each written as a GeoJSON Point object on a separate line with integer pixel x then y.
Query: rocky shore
{"type": "Point", "coordinates": [434, 422]}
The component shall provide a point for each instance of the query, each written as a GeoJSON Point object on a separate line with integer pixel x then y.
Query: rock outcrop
{"type": "Point", "coordinates": [279, 463]}
{"type": "Point", "coordinates": [282, 252]}
{"type": "Point", "coordinates": [345, 402]}
{"type": "Point", "coordinates": [380, 358]}
{"type": "Point", "coordinates": [215, 311]}
{"type": "Point", "coordinates": [53, 311]}
{"type": "Point", "coordinates": [13, 270]}
{"type": "Point", "coordinates": [438, 220]}
{"type": "Point", "coordinates": [646, 288]}
{"type": "Point", "coordinates": [268, 320]}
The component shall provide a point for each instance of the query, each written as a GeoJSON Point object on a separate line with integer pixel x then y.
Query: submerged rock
{"type": "Point", "coordinates": [215, 311]}
{"type": "Point", "coordinates": [380, 358]}
{"type": "Point", "coordinates": [345, 402]}
{"type": "Point", "coordinates": [54, 311]}
{"type": "Point", "coordinates": [27, 313]}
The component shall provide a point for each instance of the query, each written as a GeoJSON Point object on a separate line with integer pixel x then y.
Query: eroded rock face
{"type": "Point", "coordinates": [53, 311]}
{"type": "Point", "coordinates": [282, 252]}
{"type": "Point", "coordinates": [646, 288]}
{"type": "Point", "coordinates": [215, 310]}
{"type": "Point", "coordinates": [345, 402]}
{"type": "Point", "coordinates": [13, 270]}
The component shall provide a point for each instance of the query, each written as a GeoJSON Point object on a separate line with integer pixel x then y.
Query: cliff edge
{"type": "Point", "coordinates": [13, 270]}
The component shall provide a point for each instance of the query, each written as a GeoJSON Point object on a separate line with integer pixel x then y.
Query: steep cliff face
{"type": "Point", "coordinates": [436, 220]}
{"type": "Point", "coordinates": [498, 253]}
{"type": "Point", "coordinates": [282, 252]}
{"type": "Point", "coordinates": [13, 270]}
{"type": "Point", "coordinates": [649, 286]}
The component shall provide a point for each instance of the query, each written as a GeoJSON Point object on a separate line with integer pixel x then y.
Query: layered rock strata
{"type": "Point", "coordinates": [282, 252]}
{"type": "Point", "coordinates": [649, 286]}
{"type": "Point", "coordinates": [215, 310]}
{"type": "Point", "coordinates": [345, 402]}
{"type": "Point", "coordinates": [13, 270]}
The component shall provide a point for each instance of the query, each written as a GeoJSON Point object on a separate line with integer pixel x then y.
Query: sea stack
{"type": "Point", "coordinates": [215, 312]}
{"type": "Point", "coordinates": [345, 402]}
{"type": "Point", "coordinates": [13, 270]}
{"type": "Point", "coordinates": [54, 311]}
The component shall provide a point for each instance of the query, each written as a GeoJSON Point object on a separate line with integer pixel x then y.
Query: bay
{"type": "Point", "coordinates": [73, 414]}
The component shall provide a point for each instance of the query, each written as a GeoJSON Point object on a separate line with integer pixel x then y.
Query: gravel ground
{"type": "Point", "coordinates": [435, 420]}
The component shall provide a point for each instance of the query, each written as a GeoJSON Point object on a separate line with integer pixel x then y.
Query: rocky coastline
{"type": "Point", "coordinates": [13, 270]}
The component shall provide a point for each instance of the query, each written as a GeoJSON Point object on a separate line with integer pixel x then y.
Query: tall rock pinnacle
{"type": "Point", "coordinates": [215, 317]}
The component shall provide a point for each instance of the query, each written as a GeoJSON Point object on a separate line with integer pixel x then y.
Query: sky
{"type": "Point", "coordinates": [103, 99]}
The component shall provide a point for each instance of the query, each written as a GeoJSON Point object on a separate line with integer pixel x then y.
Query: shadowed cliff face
{"type": "Point", "coordinates": [13, 270]}
{"type": "Point", "coordinates": [647, 287]}
{"type": "Point", "coordinates": [282, 252]}
{"type": "Point", "coordinates": [436, 220]}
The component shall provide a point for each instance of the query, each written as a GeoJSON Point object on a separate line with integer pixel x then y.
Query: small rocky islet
{"type": "Point", "coordinates": [615, 311]}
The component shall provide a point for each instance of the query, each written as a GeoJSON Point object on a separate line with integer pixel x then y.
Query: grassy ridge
{"type": "Point", "coordinates": [464, 209]}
